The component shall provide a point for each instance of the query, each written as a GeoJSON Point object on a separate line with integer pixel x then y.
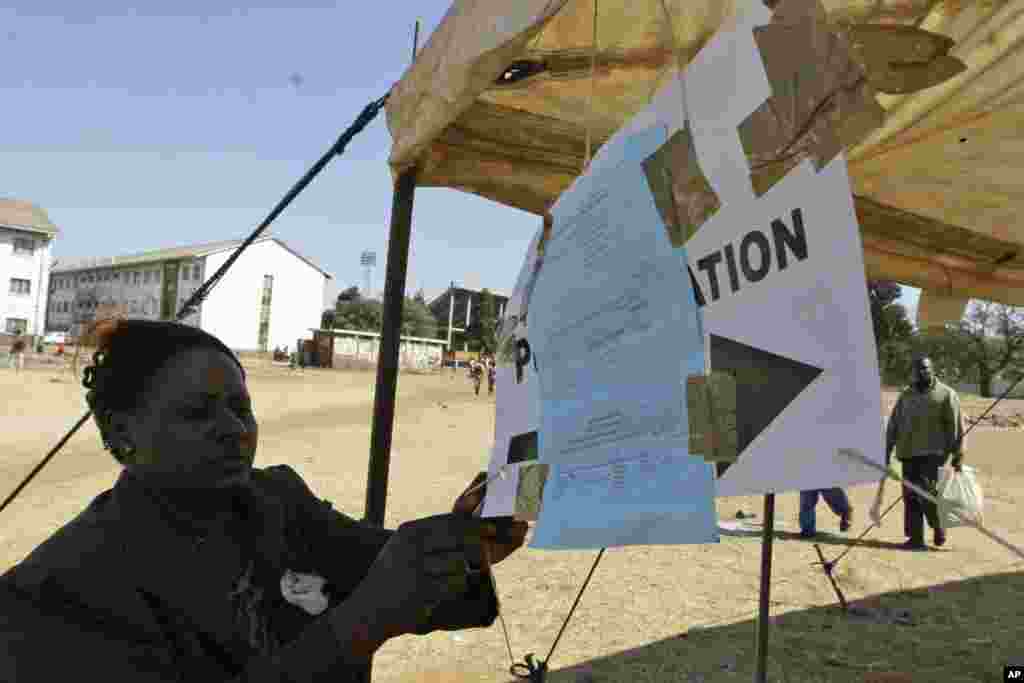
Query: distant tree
{"type": "Point", "coordinates": [362, 315]}
{"type": "Point", "coordinates": [353, 312]}
{"type": "Point", "coordinates": [417, 318]}
{"type": "Point", "coordinates": [992, 342]}
{"type": "Point", "coordinates": [894, 333]}
{"type": "Point", "coordinates": [946, 346]}
{"type": "Point", "coordinates": [349, 295]}
{"type": "Point", "coordinates": [327, 319]}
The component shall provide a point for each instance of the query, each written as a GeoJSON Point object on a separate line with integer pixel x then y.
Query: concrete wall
{"type": "Point", "coordinates": [412, 352]}
{"type": "Point", "coordinates": [232, 312]}
{"type": "Point", "coordinates": [35, 268]}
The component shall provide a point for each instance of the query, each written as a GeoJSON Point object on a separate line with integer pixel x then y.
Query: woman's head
{"type": "Point", "coordinates": [172, 404]}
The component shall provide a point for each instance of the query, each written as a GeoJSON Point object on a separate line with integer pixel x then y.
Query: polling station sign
{"type": "Point", "coordinates": [777, 270]}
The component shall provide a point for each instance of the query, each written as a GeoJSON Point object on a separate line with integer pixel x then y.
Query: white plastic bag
{"type": "Point", "coordinates": [959, 496]}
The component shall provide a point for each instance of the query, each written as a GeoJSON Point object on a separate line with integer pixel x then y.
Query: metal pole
{"type": "Point", "coordinates": [451, 313]}
{"type": "Point", "coordinates": [451, 319]}
{"type": "Point", "coordinates": [415, 40]}
{"type": "Point", "coordinates": [387, 355]}
{"type": "Point", "coordinates": [761, 675]}
{"type": "Point", "coordinates": [469, 307]}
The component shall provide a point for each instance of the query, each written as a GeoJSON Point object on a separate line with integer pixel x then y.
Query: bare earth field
{"type": "Point", "coordinates": [679, 613]}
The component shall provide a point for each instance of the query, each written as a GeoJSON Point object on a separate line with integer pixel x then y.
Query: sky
{"type": "Point", "coordinates": [146, 128]}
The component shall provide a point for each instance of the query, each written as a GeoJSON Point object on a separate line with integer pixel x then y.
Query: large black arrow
{"type": "Point", "coordinates": [765, 384]}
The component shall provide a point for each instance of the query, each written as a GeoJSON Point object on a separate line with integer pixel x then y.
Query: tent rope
{"type": "Point", "coordinates": [528, 669]}
{"type": "Point", "coordinates": [365, 117]}
{"type": "Point", "coordinates": [535, 672]}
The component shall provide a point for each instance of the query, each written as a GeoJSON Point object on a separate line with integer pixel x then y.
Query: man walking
{"type": "Point", "coordinates": [925, 428]}
{"type": "Point", "coordinates": [17, 354]}
{"type": "Point", "coordinates": [490, 374]}
{"type": "Point", "coordinates": [476, 371]}
{"type": "Point", "coordinates": [835, 498]}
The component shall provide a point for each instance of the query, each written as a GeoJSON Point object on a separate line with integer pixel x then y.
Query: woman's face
{"type": "Point", "coordinates": [193, 426]}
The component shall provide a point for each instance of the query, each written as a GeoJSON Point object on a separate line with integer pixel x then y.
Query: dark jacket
{"type": "Point", "coordinates": [118, 594]}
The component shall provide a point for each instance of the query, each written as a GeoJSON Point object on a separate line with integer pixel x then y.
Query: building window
{"type": "Point", "coordinates": [146, 276]}
{"type": "Point", "coordinates": [23, 246]}
{"type": "Point", "coordinates": [156, 275]}
{"type": "Point", "coordinates": [195, 272]}
{"type": "Point", "coordinates": [136, 277]}
{"type": "Point", "coordinates": [20, 286]}
{"type": "Point", "coordinates": [264, 328]}
{"type": "Point", "coordinates": [117, 276]}
{"type": "Point", "coordinates": [16, 325]}
{"type": "Point", "coordinates": [184, 272]}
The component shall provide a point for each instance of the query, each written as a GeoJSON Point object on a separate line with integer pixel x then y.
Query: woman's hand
{"type": "Point", "coordinates": [500, 538]}
{"type": "Point", "coordinates": [425, 563]}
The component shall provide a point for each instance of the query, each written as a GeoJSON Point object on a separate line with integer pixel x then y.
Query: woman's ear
{"type": "Point", "coordinates": [122, 434]}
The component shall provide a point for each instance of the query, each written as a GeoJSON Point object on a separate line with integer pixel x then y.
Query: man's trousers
{"type": "Point", "coordinates": [922, 471]}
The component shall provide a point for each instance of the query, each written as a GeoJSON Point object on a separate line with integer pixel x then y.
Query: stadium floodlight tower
{"type": "Point", "coordinates": [368, 260]}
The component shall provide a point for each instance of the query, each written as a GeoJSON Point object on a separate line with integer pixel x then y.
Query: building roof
{"type": "Point", "coordinates": [170, 254]}
{"type": "Point", "coordinates": [443, 294]}
{"type": "Point", "coordinates": [22, 215]}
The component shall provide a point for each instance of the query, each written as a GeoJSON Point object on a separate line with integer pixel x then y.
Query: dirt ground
{"type": "Point", "coordinates": [664, 613]}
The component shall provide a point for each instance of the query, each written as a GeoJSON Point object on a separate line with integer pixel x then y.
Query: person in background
{"type": "Point", "coordinates": [476, 372]}
{"type": "Point", "coordinates": [925, 428]}
{"type": "Point", "coordinates": [198, 566]}
{"type": "Point", "coordinates": [837, 501]}
{"type": "Point", "coordinates": [491, 372]}
{"type": "Point", "coordinates": [17, 353]}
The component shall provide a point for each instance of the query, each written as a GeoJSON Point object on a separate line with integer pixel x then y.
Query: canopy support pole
{"type": "Point", "coordinates": [387, 354]}
{"type": "Point", "coordinates": [763, 623]}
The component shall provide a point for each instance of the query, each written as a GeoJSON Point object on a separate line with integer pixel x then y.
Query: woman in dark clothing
{"type": "Point", "coordinates": [196, 566]}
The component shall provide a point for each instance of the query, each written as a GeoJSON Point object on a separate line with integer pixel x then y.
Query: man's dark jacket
{"type": "Point", "coordinates": [118, 595]}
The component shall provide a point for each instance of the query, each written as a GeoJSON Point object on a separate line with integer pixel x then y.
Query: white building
{"type": "Point", "coordinates": [26, 235]}
{"type": "Point", "coordinates": [271, 296]}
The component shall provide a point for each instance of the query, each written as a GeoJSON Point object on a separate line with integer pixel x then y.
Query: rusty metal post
{"type": "Point", "coordinates": [387, 355]}
{"type": "Point", "coordinates": [764, 607]}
